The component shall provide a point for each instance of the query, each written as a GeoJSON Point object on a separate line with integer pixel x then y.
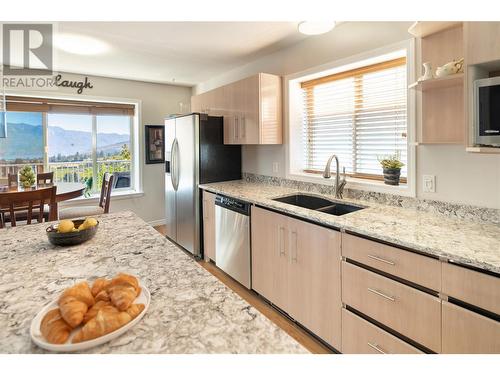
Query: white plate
{"type": "Point", "coordinates": [38, 339]}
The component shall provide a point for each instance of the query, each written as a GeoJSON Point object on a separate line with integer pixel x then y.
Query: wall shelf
{"type": "Point", "coordinates": [483, 150]}
{"type": "Point", "coordinates": [421, 29]}
{"type": "Point", "coordinates": [439, 83]}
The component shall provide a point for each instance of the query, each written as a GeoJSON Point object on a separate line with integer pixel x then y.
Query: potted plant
{"type": "Point", "coordinates": [27, 177]}
{"type": "Point", "coordinates": [391, 166]}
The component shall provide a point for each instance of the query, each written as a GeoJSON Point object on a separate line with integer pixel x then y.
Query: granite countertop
{"type": "Point", "coordinates": [458, 240]}
{"type": "Point", "coordinates": [191, 311]}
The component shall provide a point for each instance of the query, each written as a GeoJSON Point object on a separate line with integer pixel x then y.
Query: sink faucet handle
{"type": "Point", "coordinates": [343, 173]}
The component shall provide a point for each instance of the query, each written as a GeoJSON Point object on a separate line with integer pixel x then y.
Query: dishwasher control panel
{"type": "Point", "coordinates": [233, 204]}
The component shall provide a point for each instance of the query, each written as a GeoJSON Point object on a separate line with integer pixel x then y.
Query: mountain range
{"type": "Point", "coordinates": [25, 141]}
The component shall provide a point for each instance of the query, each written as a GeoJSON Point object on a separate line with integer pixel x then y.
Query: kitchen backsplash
{"type": "Point", "coordinates": [477, 214]}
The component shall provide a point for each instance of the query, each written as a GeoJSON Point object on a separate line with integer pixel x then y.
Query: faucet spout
{"type": "Point", "coordinates": [339, 185]}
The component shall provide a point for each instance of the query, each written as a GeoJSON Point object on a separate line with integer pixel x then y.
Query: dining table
{"type": "Point", "coordinates": [65, 191]}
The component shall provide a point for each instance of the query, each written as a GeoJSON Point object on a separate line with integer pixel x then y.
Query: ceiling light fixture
{"type": "Point", "coordinates": [80, 44]}
{"type": "Point", "coordinates": [315, 28]}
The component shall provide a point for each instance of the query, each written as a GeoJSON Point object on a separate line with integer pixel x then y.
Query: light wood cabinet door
{"type": "Point", "coordinates": [362, 337]}
{"type": "Point", "coordinates": [209, 225]}
{"type": "Point", "coordinates": [475, 288]}
{"type": "Point", "coordinates": [314, 279]}
{"type": "Point", "coordinates": [467, 332]}
{"type": "Point", "coordinates": [416, 268]}
{"type": "Point", "coordinates": [249, 119]}
{"type": "Point", "coordinates": [482, 42]}
{"type": "Point", "coordinates": [270, 256]}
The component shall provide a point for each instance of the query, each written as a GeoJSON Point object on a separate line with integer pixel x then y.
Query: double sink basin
{"type": "Point", "coordinates": [318, 204]}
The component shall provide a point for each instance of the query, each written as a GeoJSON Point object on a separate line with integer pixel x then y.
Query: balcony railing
{"type": "Point", "coordinates": [78, 171]}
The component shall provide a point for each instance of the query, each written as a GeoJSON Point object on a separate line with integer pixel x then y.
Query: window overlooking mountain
{"type": "Point", "coordinates": [77, 147]}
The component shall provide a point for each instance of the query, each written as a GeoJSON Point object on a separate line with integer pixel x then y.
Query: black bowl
{"type": "Point", "coordinates": [71, 238]}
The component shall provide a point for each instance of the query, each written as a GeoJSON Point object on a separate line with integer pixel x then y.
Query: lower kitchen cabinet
{"type": "Point", "coordinates": [411, 312]}
{"type": "Point", "coordinates": [270, 256]}
{"type": "Point", "coordinates": [209, 225]}
{"type": "Point", "coordinates": [296, 266]}
{"type": "Point", "coordinates": [362, 337]}
{"type": "Point", "coordinates": [466, 332]}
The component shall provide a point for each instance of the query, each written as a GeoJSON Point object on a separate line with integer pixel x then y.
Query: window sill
{"type": "Point", "coordinates": [94, 198]}
{"type": "Point", "coordinates": [355, 183]}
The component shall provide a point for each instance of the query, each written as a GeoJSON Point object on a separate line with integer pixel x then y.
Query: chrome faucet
{"type": "Point", "coordinates": [339, 184]}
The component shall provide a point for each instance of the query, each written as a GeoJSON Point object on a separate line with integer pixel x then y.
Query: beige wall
{"type": "Point", "coordinates": [157, 101]}
{"type": "Point", "coordinates": [460, 177]}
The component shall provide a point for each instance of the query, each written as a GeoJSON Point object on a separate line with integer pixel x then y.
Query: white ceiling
{"type": "Point", "coordinates": [174, 52]}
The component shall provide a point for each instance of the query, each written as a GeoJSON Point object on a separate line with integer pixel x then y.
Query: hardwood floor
{"type": "Point", "coordinates": [290, 327]}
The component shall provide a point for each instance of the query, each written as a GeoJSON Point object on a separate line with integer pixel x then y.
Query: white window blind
{"type": "Point", "coordinates": [359, 115]}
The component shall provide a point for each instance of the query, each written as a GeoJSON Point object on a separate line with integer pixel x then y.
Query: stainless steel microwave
{"type": "Point", "coordinates": [487, 112]}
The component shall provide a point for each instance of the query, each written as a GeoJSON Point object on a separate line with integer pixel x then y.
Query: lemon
{"type": "Point", "coordinates": [88, 223]}
{"type": "Point", "coordinates": [65, 226]}
{"type": "Point", "coordinates": [91, 222]}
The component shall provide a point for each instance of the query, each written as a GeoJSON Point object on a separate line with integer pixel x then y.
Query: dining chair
{"type": "Point", "coordinates": [30, 204]}
{"type": "Point", "coordinates": [102, 208]}
{"type": "Point", "coordinates": [12, 179]}
{"type": "Point", "coordinates": [45, 178]}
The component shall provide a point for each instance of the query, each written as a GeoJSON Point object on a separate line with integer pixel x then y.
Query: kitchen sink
{"type": "Point", "coordinates": [306, 201]}
{"type": "Point", "coordinates": [318, 204]}
{"type": "Point", "coordinates": [339, 209]}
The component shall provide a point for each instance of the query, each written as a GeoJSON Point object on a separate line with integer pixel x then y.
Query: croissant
{"type": "Point", "coordinates": [108, 319]}
{"type": "Point", "coordinates": [99, 289]}
{"type": "Point", "coordinates": [123, 290]}
{"type": "Point", "coordinates": [92, 312]}
{"type": "Point", "coordinates": [54, 328]}
{"type": "Point", "coordinates": [74, 303]}
{"type": "Point", "coordinates": [99, 285]}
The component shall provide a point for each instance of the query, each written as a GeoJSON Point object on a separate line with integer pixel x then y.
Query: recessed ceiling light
{"type": "Point", "coordinates": [80, 44]}
{"type": "Point", "coordinates": [315, 28]}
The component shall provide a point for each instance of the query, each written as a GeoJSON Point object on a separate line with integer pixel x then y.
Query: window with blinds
{"type": "Point", "coordinates": [359, 115]}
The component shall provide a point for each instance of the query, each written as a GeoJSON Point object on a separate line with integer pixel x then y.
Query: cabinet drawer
{"type": "Point", "coordinates": [413, 267]}
{"type": "Point", "coordinates": [467, 332]}
{"type": "Point", "coordinates": [472, 287]}
{"type": "Point", "coordinates": [412, 313]}
{"type": "Point", "coordinates": [362, 337]}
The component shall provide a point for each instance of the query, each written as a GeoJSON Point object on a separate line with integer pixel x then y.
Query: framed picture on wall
{"type": "Point", "coordinates": [155, 144]}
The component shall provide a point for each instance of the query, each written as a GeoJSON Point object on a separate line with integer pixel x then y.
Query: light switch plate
{"type": "Point", "coordinates": [276, 167]}
{"type": "Point", "coordinates": [429, 183]}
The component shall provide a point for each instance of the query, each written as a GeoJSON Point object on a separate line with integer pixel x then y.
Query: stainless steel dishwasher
{"type": "Point", "coordinates": [232, 238]}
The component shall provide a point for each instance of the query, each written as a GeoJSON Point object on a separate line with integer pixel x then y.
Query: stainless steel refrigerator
{"type": "Point", "coordinates": [194, 154]}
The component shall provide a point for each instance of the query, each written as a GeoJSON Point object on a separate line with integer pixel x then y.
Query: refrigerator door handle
{"type": "Point", "coordinates": [177, 164]}
{"type": "Point", "coordinates": [173, 172]}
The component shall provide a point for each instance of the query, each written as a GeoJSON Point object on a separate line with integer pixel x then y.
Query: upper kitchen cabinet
{"type": "Point", "coordinates": [482, 44]}
{"type": "Point", "coordinates": [251, 109]}
{"type": "Point", "coordinates": [440, 100]}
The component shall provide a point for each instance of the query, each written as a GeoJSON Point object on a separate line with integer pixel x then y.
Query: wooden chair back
{"type": "Point", "coordinates": [107, 186]}
{"type": "Point", "coordinates": [45, 178]}
{"type": "Point", "coordinates": [27, 201]}
{"type": "Point", "coordinates": [12, 179]}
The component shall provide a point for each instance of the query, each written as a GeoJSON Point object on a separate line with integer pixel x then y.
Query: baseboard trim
{"type": "Point", "coordinates": [155, 223]}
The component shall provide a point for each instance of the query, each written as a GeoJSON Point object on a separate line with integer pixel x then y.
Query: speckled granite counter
{"type": "Point", "coordinates": [191, 311]}
{"type": "Point", "coordinates": [464, 242]}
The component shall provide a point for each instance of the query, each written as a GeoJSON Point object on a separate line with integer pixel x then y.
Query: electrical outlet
{"type": "Point", "coordinates": [276, 167]}
{"type": "Point", "coordinates": [429, 182]}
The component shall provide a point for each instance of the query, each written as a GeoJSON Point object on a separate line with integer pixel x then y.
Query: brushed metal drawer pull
{"type": "Point", "coordinates": [382, 294]}
{"type": "Point", "coordinates": [374, 257]}
{"type": "Point", "coordinates": [376, 347]}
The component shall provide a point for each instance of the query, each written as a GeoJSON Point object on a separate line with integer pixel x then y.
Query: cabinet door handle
{"type": "Point", "coordinates": [381, 294]}
{"type": "Point", "coordinates": [294, 248]}
{"type": "Point", "coordinates": [281, 243]}
{"type": "Point", "coordinates": [236, 127]}
{"type": "Point", "coordinates": [243, 127]}
{"type": "Point", "coordinates": [374, 257]}
{"type": "Point", "coordinates": [376, 347]}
